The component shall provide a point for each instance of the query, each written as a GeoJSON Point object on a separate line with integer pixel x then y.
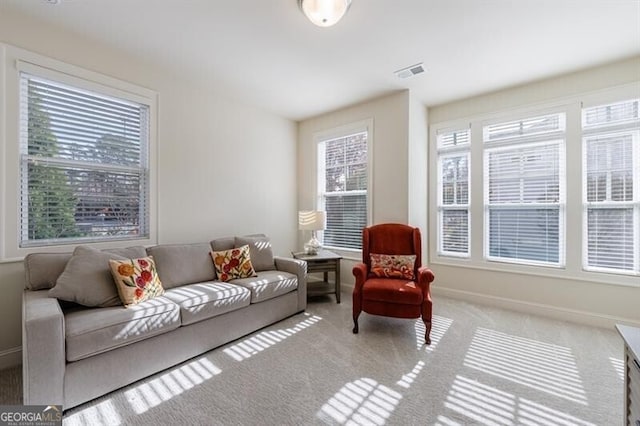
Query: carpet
{"type": "Point", "coordinates": [485, 366]}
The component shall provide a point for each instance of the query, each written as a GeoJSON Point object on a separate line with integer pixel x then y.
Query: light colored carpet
{"type": "Point", "coordinates": [485, 366]}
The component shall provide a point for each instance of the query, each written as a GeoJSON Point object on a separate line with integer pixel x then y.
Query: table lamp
{"type": "Point", "coordinates": [312, 220]}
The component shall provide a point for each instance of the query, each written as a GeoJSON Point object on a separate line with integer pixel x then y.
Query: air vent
{"type": "Point", "coordinates": [410, 71]}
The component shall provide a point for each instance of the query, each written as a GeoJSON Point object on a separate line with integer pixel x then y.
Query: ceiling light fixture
{"type": "Point", "coordinates": [324, 13]}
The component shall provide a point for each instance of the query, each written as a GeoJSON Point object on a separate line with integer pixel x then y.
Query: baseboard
{"type": "Point", "coordinates": [10, 357]}
{"type": "Point", "coordinates": [572, 315]}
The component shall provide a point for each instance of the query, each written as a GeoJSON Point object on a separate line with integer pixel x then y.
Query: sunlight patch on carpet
{"type": "Point", "coordinates": [542, 366]}
{"type": "Point", "coordinates": [169, 385]}
{"type": "Point", "coordinates": [408, 379]}
{"type": "Point", "coordinates": [439, 326]}
{"type": "Point", "coordinates": [265, 339]}
{"type": "Point", "coordinates": [618, 365]}
{"type": "Point", "coordinates": [445, 421]}
{"type": "Point", "coordinates": [487, 405]}
{"type": "Point", "coordinates": [103, 413]}
{"type": "Point", "coordinates": [362, 402]}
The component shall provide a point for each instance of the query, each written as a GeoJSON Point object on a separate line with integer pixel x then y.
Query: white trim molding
{"type": "Point", "coordinates": [544, 310]}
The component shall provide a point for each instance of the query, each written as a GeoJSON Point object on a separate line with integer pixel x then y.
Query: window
{"type": "Point", "coordinates": [524, 190]}
{"type": "Point", "coordinates": [611, 197]}
{"type": "Point", "coordinates": [342, 188]}
{"type": "Point", "coordinates": [453, 192]}
{"type": "Point", "coordinates": [557, 187]}
{"type": "Point", "coordinates": [84, 173]}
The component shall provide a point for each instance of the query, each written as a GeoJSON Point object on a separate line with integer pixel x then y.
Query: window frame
{"type": "Point", "coordinates": [13, 62]}
{"type": "Point", "coordinates": [573, 270]}
{"type": "Point", "coordinates": [561, 205]}
{"type": "Point", "coordinates": [364, 126]}
{"type": "Point", "coordinates": [444, 152]}
{"type": "Point", "coordinates": [629, 127]}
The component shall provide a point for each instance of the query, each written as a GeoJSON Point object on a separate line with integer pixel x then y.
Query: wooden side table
{"type": "Point", "coordinates": [325, 261]}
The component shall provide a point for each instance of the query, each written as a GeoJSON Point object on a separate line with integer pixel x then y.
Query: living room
{"type": "Point", "coordinates": [232, 157]}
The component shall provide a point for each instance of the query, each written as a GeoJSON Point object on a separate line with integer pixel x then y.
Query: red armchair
{"type": "Point", "coordinates": [392, 297]}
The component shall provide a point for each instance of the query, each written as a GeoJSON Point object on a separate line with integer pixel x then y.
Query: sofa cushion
{"type": "Point", "coordinates": [180, 264]}
{"type": "Point", "coordinates": [233, 263]}
{"type": "Point", "coordinates": [93, 331]}
{"type": "Point", "coordinates": [227, 243]}
{"type": "Point", "coordinates": [136, 280]}
{"type": "Point", "coordinates": [260, 251]}
{"type": "Point", "coordinates": [224, 243]}
{"type": "Point", "coordinates": [268, 284]}
{"type": "Point", "coordinates": [43, 269]}
{"type": "Point", "coordinates": [205, 300]}
{"type": "Point", "coordinates": [87, 279]}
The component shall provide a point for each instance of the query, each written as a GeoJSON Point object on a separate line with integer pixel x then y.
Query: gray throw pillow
{"type": "Point", "coordinates": [43, 269]}
{"type": "Point", "coordinates": [260, 251]}
{"type": "Point", "coordinates": [180, 264]}
{"type": "Point", "coordinates": [87, 279]}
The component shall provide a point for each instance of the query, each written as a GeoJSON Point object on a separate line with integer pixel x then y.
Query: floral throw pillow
{"type": "Point", "coordinates": [393, 266]}
{"type": "Point", "coordinates": [136, 279]}
{"type": "Point", "coordinates": [232, 264]}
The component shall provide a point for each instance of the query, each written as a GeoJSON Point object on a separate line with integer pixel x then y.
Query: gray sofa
{"type": "Point", "coordinates": [72, 354]}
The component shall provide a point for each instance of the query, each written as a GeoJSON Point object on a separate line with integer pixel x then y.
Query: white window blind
{"type": "Point", "coordinates": [342, 177]}
{"type": "Point", "coordinates": [526, 127]}
{"type": "Point", "coordinates": [84, 165]}
{"type": "Point", "coordinates": [611, 195]}
{"type": "Point", "coordinates": [453, 192]}
{"type": "Point", "coordinates": [524, 192]}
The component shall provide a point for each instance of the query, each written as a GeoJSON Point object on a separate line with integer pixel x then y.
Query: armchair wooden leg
{"type": "Point", "coordinates": [427, 338]}
{"type": "Point", "coordinates": [355, 324]}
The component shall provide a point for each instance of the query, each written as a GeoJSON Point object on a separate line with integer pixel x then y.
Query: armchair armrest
{"type": "Point", "coordinates": [360, 274]}
{"type": "Point", "coordinates": [299, 268]}
{"type": "Point", "coordinates": [425, 277]}
{"type": "Point", "coordinates": [43, 349]}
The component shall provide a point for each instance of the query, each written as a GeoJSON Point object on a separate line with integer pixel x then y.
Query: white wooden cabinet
{"type": "Point", "coordinates": [631, 337]}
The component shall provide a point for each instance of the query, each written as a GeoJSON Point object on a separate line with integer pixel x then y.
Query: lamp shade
{"type": "Point", "coordinates": [324, 13]}
{"type": "Point", "coordinates": [311, 220]}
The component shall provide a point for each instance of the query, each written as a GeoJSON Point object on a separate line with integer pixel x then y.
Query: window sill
{"type": "Point", "coordinates": [546, 272]}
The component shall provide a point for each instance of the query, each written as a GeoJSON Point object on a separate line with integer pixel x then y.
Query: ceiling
{"type": "Point", "coordinates": [266, 53]}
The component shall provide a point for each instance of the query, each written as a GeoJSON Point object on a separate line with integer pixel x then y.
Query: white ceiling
{"type": "Point", "coordinates": [266, 53]}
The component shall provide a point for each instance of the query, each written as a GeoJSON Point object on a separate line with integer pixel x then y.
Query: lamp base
{"type": "Point", "coordinates": [312, 246]}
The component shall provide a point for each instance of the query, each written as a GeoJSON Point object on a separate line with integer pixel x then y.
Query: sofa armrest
{"type": "Point", "coordinates": [43, 349]}
{"type": "Point", "coordinates": [299, 268]}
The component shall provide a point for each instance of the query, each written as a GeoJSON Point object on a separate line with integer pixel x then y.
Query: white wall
{"type": "Point", "coordinates": [224, 168]}
{"type": "Point", "coordinates": [417, 176]}
{"type": "Point", "coordinates": [596, 301]}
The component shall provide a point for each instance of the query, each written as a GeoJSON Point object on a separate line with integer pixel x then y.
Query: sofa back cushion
{"type": "Point", "coordinates": [180, 264]}
{"type": "Point", "coordinates": [260, 250]}
{"type": "Point", "coordinates": [43, 269]}
{"type": "Point", "coordinates": [86, 279]}
{"type": "Point", "coordinates": [224, 243]}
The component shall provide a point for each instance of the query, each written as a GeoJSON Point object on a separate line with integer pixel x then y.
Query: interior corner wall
{"type": "Point", "coordinates": [417, 177]}
{"type": "Point", "coordinates": [597, 303]}
{"type": "Point", "coordinates": [224, 167]}
{"type": "Point", "coordinates": [389, 159]}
